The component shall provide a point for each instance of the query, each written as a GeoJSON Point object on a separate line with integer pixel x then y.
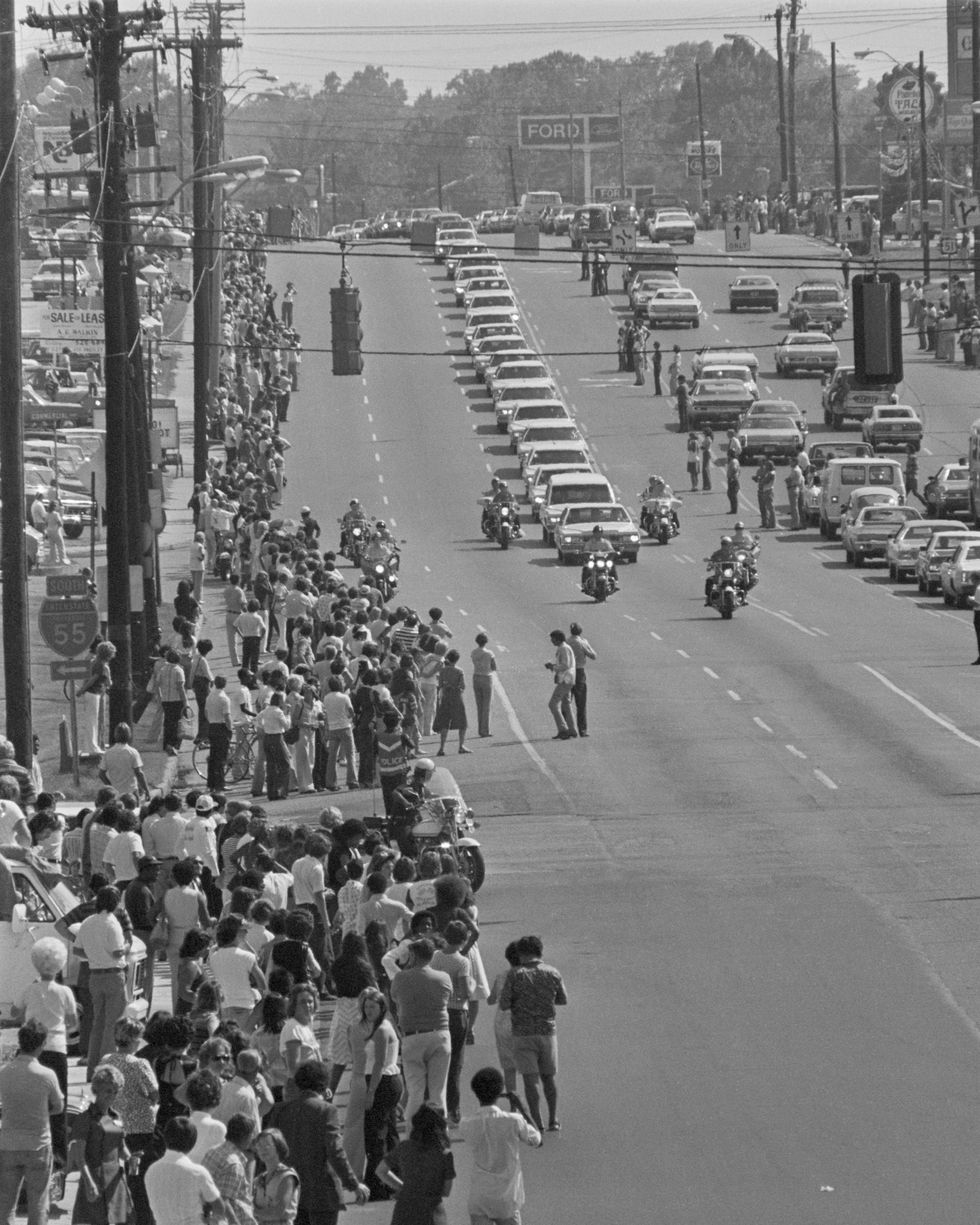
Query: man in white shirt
{"type": "Point", "coordinates": [180, 1192]}
{"type": "Point", "coordinates": [310, 893]}
{"type": "Point", "coordinates": [122, 766]}
{"type": "Point", "coordinates": [494, 1136]}
{"type": "Point", "coordinates": [200, 841]}
{"type": "Point", "coordinates": [100, 937]}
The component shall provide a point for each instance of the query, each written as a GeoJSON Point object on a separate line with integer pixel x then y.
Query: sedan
{"type": "Point", "coordinates": [753, 293]}
{"type": "Point", "coordinates": [644, 285]}
{"type": "Point", "coordinates": [497, 350]}
{"type": "Point", "coordinates": [780, 408]}
{"type": "Point", "coordinates": [524, 371]}
{"type": "Point", "coordinates": [674, 306]}
{"type": "Point", "coordinates": [948, 491]}
{"type": "Point", "coordinates": [56, 276]}
{"type": "Point", "coordinates": [803, 352]}
{"type": "Point", "coordinates": [469, 286]}
{"type": "Point", "coordinates": [522, 396]}
{"type": "Point", "coordinates": [868, 535]}
{"type": "Point", "coordinates": [774, 436]}
{"type": "Point", "coordinates": [672, 225]}
{"type": "Point", "coordinates": [536, 481]}
{"type": "Point", "coordinates": [941, 545]}
{"type": "Point", "coordinates": [546, 432]}
{"type": "Point", "coordinates": [904, 548]}
{"type": "Point", "coordinates": [576, 524]}
{"type": "Point", "coordinates": [960, 574]}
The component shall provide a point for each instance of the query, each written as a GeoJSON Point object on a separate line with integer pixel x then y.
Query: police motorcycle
{"type": "Point", "coordinates": [732, 574]}
{"type": "Point", "coordinates": [658, 511]}
{"type": "Point", "coordinates": [501, 522]}
{"type": "Point", "coordinates": [354, 532]}
{"type": "Point", "coordinates": [599, 576]}
{"type": "Point", "coordinates": [429, 813]}
{"type": "Point", "coordinates": [379, 562]}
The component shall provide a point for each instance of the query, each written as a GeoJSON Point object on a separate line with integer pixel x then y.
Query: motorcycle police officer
{"type": "Point", "coordinates": [406, 800]}
{"type": "Point", "coordinates": [596, 542]}
{"type": "Point", "coordinates": [725, 554]}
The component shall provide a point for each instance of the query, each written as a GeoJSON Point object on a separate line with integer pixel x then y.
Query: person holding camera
{"type": "Point", "coordinates": [560, 704]}
{"type": "Point", "coordinates": [494, 1136]}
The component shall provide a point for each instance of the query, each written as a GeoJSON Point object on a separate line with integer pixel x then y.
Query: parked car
{"type": "Point", "coordinates": [947, 492]}
{"type": "Point", "coordinates": [57, 277]}
{"type": "Point", "coordinates": [902, 551]}
{"type": "Point", "coordinates": [866, 536]}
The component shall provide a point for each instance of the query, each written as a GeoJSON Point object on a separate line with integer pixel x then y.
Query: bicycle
{"type": "Point", "coordinates": [241, 754]}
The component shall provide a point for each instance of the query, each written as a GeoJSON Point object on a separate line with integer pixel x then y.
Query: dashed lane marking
{"type": "Point", "coordinates": [947, 724]}
{"type": "Point", "coordinates": [628, 617]}
{"type": "Point", "coordinates": [791, 748]}
{"type": "Point", "coordinates": [825, 779]}
{"type": "Point", "coordinates": [381, 479]}
{"type": "Point", "coordinates": [786, 618]}
{"type": "Point", "coordinates": [653, 634]}
{"type": "Point", "coordinates": [736, 697]}
{"type": "Point", "coordinates": [759, 723]}
{"type": "Point", "coordinates": [708, 672]}
{"type": "Point", "coordinates": [683, 654]}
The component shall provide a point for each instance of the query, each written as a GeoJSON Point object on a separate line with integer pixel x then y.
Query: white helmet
{"type": "Point", "coordinates": [425, 765]}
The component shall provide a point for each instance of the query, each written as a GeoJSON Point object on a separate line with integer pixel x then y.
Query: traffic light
{"type": "Point", "coordinates": [146, 129]}
{"type": "Point", "coordinates": [345, 330]}
{"type": "Point", "coordinates": [878, 328]}
{"type": "Point", "coordinates": [81, 133]}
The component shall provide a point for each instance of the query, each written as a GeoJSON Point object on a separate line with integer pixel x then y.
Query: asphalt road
{"type": "Point", "coordinates": [759, 874]}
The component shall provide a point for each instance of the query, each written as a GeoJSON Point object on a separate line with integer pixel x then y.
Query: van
{"type": "Point", "coordinates": [570, 490]}
{"type": "Point", "coordinates": [591, 225]}
{"type": "Point", "coordinates": [35, 908]}
{"type": "Point", "coordinates": [842, 476]}
{"type": "Point", "coordinates": [534, 203]}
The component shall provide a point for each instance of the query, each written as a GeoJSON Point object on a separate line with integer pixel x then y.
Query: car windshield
{"type": "Point", "coordinates": [769, 423]}
{"type": "Point", "coordinates": [917, 531]}
{"type": "Point", "coordinates": [573, 456]}
{"type": "Point", "coordinates": [536, 411]}
{"type": "Point", "coordinates": [564, 494]}
{"type": "Point", "coordinates": [596, 514]}
{"type": "Point", "coordinates": [720, 387]}
{"type": "Point", "coordinates": [755, 282]}
{"type": "Point", "coordinates": [945, 542]}
{"type": "Point", "coordinates": [726, 372]}
{"type": "Point", "coordinates": [894, 412]}
{"type": "Point", "coordinates": [682, 295]}
{"type": "Point", "coordinates": [969, 553]}
{"type": "Point", "coordinates": [809, 338]}
{"type": "Point", "coordinates": [954, 474]}
{"type": "Point", "coordinates": [527, 393]}
{"type": "Point", "coordinates": [867, 474]}
{"type": "Point", "coordinates": [819, 295]}
{"type": "Point", "coordinates": [885, 514]}
{"type": "Point", "coordinates": [531, 371]}
{"type": "Point", "coordinates": [558, 433]}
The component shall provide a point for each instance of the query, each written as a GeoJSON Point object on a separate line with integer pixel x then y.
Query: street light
{"type": "Point", "coordinates": [732, 38]}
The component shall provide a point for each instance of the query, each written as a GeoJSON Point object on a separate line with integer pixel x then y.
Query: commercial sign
{"type": "Point", "coordinates": [712, 159]}
{"type": "Point", "coordinates": [82, 329]}
{"type": "Point", "coordinates": [959, 122]}
{"type": "Point", "coordinates": [903, 98]}
{"type": "Point", "coordinates": [560, 131]}
{"type": "Point", "coordinates": [54, 151]}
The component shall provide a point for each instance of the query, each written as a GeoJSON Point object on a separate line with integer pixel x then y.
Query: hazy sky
{"type": "Point", "coordinates": [426, 42]}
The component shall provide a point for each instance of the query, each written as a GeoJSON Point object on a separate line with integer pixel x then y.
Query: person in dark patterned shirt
{"type": "Point", "coordinates": [531, 993]}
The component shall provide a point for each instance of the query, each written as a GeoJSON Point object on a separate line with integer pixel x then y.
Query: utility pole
{"type": "Point", "coordinates": [179, 96]}
{"type": "Point", "coordinates": [622, 151]}
{"type": "Point", "coordinates": [781, 86]}
{"type": "Point", "coordinates": [975, 62]}
{"type": "Point", "coordinates": [835, 121]}
{"type": "Point", "coordinates": [203, 242]}
{"type": "Point", "coordinates": [333, 184]}
{"type": "Point", "coordinates": [704, 153]}
{"type": "Point", "coordinates": [13, 554]}
{"type": "Point", "coordinates": [923, 171]}
{"type": "Point", "coordinates": [792, 48]}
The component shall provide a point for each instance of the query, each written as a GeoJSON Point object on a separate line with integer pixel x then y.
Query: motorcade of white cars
{"type": "Point", "coordinates": [521, 395]}
{"type": "Point", "coordinates": [541, 412]}
{"type": "Point", "coordinates": [575, 525]}
{"type": "Point", "coordinates": [576, 489]}
{"type": "Point", "coordinates": [903, 549]}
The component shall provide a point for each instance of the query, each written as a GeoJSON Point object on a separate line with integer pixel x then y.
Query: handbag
{"type": "Point", "coordinates": [188, 724]}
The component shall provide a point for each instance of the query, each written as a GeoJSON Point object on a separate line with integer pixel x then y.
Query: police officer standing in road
{"type": "Point", "coordinates": [657, 361]}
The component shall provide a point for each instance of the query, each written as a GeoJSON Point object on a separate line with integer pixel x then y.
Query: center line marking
{"type": "Point", "coordinates": [759, 723]}
{"type": "Point", "coordinates": [628, 617]}
{"type": "Point", "coordinates": [655, 635]}
{"type": "Point", "coordinates": [827, 782]}
{"type": "Point", "coordinates": [708, 672]}
{"type": "Point", "coordinates": [683, 654]}
{"type": "Point", "coordinates": [796, 752]}
{"type": "Point", "coordinates": [734, 696]}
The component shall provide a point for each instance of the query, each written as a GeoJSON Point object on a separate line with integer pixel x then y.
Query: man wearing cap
{"type": "Point", "coordinates": [200, 842]}
{"type": "Point", "coordinates": [142, 907]}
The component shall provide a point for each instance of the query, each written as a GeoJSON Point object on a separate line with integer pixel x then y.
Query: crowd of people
{"type": "Point", "coordinates": [223, 1097]}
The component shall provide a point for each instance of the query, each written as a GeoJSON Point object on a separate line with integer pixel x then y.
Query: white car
{"type": "Point", "coordinates": [517, 395]}
{"type": "Point", "coordinates": [524, 370]}
{"type": "Point", "coordinates": [536, 482]}
{"type": "Point", "coordinates": [805, 353]}
{"type": "Point", "coordinates": [547, 432]}
{"type": "Point", "coordinates": [577, 521]}
{"type": "Point", "coordinates": [673, 306]}
{"type": "Point", "coordinates": [466, 287]}
{"type": "Point", "coordinates": [540, 412]}
{"type": "Point", "coordinates": [672, 225]}
{"type": "Point", "coordinates": [491, 314]}
{"type": "Point", "coordinates": [867, 535]}
{"type": "Point", "coordinates": [960, 574]}
{"type": "Point", "coordinates": [57, 277]}
{"type": "Point", "coordinates": [904, 548]}
{"type": "Point", "coordinates": [496, 350]}
{"type": "Point", "coordinates": [725, 370]}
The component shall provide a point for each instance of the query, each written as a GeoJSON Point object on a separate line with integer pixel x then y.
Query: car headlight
{"type": "Point", "coordinates": [634, 538]}
{"type": "Point", "coordinates": [538, 499]}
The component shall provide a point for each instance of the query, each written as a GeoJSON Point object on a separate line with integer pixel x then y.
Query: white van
{"type": "Point", "coordinates": [569, 490]}
{"type": "Point", "coordinates": [841, 476]}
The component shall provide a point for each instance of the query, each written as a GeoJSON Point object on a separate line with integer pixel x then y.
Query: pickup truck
{"type": "Point", "coordinates": [893, 425]}
{"type": "Point", "coordinates": [847, 399]}
{"type": "Point", "coordinates": [33, 901]}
